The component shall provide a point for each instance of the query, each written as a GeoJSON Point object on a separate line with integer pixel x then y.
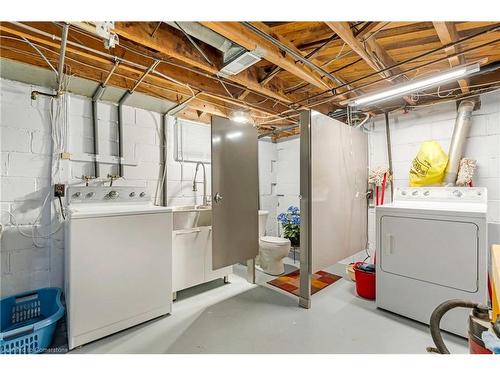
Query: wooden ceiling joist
{"type": "Point", "coordinates": [372, 52]}
{"type": "Point", "coordinates": [274, 88]}
{"type": "Point", "coordinates": [172, 43]}
{"type": "Point", "coordinates": [210, 87]}
{"type": "Point", "coordinates": [447, 33]}
{"type": "Point", "coordinates": [242, 36]}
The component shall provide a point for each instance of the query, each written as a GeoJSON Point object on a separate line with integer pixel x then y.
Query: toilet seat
{"type": "Point", "coordinates": [275, 240]}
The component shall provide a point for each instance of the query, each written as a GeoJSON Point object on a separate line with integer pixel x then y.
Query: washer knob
{"type": "Point", "coordinates": [426, 193]}
{"type": "Point", "coordinates": [113, 194]}
{"type": "Point", "coordinates": [142, 195]}
{"type": "Point", "coordinates": [414, 193]}
{"type": "Point", "coordinates": [457, 193]}
{"type": "Point", "coordinates": [403, 192]}
{"type": "Point", "coordinates": [76, 194]}
{"type": "Point", "coordinates": [90, 195]}
{"type": "Point", "coordinates": [132, 194]}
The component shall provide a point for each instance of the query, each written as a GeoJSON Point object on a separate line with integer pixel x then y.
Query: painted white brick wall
{"type": "Point", "coordinates": [268, 158]}
{"type": "Point", "coordinates": [288, 176]}
{"type": "Point", "coordinates": [25, 170]}
{"type": "Point", "coordinates": [409, 130]}
{"type": "Point", "coordinates": [279, 178]}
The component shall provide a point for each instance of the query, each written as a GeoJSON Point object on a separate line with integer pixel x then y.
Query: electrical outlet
{"type": "Point", "coordinates": [59, 190]}
{"type": "Point", "coordinates": [65, 156]}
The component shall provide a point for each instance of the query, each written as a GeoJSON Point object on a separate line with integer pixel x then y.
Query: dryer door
{"type": "Point", "coordinates": [435, 251]}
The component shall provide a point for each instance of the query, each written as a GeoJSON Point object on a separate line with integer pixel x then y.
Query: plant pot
{"type": "Point", "coordinates": [295, 241]}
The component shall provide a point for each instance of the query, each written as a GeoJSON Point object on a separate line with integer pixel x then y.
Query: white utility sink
{"type": "Point", "coordinates": [193, 216]}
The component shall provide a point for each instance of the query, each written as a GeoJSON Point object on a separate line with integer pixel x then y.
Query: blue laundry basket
{"type": "Point", "coordinates": [28, 321]}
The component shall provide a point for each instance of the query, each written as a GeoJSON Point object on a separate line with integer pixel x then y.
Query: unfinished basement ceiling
{"type": "Point", "coordinates": [17, 71]}
{"type": "Point", "coordinates": [313, 65]}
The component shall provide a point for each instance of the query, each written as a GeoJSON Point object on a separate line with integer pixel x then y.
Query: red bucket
{"type": "Point", "coordinates": [365, 282]}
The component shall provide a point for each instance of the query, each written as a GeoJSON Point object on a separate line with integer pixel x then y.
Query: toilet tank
{"type": "Point", "coordinates": [262, 222]}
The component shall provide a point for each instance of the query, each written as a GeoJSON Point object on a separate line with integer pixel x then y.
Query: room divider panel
{"type": "Point", "coordinates": [333, 187]}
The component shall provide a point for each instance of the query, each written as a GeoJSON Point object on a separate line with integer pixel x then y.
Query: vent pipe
{"type": "Point", "coordinates": [460, 132]}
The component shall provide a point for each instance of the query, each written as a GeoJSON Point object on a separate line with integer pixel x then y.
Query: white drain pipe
{"type": "Point", "coordinates": [458, 139]}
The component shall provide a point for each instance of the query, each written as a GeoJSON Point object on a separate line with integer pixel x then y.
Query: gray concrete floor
{"type": "Point", "coordinates": [243, 318]}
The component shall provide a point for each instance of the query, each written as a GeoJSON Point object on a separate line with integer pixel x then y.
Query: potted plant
{"type": "Point", "coordinates": [290, 221]}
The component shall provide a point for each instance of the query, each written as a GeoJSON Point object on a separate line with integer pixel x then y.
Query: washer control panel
{"type": "Point", "coordinates": [442, 194]}
{"type": "Point", "coordinates": [103, 194]}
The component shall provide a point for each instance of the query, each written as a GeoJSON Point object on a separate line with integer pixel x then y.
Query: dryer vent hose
{"type": "Point", "coordinates": [435, 321]}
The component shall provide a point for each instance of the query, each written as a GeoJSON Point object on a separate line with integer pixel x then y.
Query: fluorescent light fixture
{"type": "Point", "coordinates": [241, 117]}
{"type": "Point", "coordinates": [414, 86]}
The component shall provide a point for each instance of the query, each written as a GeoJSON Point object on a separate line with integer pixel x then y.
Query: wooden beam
{"type": "Point", "coordinates": [373, 53]}
{"type": "Point", "coordinates": [208, 86]}
{"type": "Point", "coordinates": [343, 30]}
{"type": "Point", "coordinates": [372, 28]}
{"type": "Point", "coordinates": [447, 33]}
{"type": "Point", "coordinates": [124, 78]}
{"type": "Point", "coordinates": [239, 34]}
{"type": "Point", "coordinates": [172, 43]}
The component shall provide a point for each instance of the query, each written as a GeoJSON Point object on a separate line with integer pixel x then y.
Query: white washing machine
{"type": "Point", "coordinates": [432, 247]}
{"type": "Point", "coordinates": [118, 265]}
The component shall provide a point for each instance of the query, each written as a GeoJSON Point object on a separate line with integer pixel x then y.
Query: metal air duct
{"type": "Point", "coordinates": [209, 37]}
{"type": "Point", "coordinates": [460, 132]}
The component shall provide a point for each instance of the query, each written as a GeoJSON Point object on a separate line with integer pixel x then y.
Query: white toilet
{"type": "Point", "coordinates": [272, 250]}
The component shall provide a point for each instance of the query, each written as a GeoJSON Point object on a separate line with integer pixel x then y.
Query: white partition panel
{"type": "Point", "coordinates": [338, 205]}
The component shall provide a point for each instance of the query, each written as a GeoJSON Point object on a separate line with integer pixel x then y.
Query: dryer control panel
{"type": "Point", "coordinates": [442, 194]}
{"type": "Point", "coordinates": [108, 194]}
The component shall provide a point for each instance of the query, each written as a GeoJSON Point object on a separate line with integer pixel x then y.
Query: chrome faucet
{"type": "Point", "coordinates": [205, 200]}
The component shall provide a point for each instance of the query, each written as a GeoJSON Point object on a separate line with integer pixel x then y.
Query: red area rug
{"type": "Point", "coordinates": [291, 281]}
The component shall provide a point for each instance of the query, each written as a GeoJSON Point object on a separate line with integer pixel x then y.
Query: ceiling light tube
{"type": "Point", "coordinates": [414, 86]}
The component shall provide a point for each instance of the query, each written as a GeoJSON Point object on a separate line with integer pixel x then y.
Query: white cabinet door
{"type": "Point", "coordinates": [435, 251]}
{"type": "Point", "coordinates": [188, 258]}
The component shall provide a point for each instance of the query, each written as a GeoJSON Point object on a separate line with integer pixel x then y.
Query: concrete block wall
{"type": "Point", "coordinates": [268, 170]}
{"type": "Point", "coordinates": [25, 174]}
{"type": "Point", "coordinates": [180, 175]}
{"type": "Point", "coordinates": [25, 171]}
{"type": "Point", "coordinates": [288, 176]}
{"type": "Point", "coordinates": [436, 122]}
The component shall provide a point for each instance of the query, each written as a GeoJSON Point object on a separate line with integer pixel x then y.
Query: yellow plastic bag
{"type": "Point", "coordinates": [428, 167]}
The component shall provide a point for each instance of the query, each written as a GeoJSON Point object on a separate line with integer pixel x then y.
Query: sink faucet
{"type": "Point", "coordinates": [205, 200]}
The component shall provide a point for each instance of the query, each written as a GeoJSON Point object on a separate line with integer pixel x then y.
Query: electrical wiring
{"type": "Point", "coordinates": [443, 96]}
{"type": "Point", "coordinates": [239, 102]}
{"type": "Point", "coordinates": [225, 88]}
{"type": "Point", "coordinates": [173, 63]}
{"type": "Point", "coordinates": [62, 208]}
{"type": "Point", "coordinates": [40, 53]}
{"type": "Point", "coordinates": [58, 132]}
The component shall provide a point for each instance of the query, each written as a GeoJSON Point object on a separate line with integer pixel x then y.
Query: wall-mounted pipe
{"type": "Point", "coordinates": [457, 145]}
{"type": "Point", "coordinates": [389, 151]}
{"type": "Point", "coordinates": [149, 70]}
{"type": "Point", "coordinates": [95, 124]}
{"type": "Point", "coordinates": [179, 107]}
{"type": "Point", "coordinates": [122, 100]}
{"type": "Point", "coordinates": [62, 55]}
{"type": "Point", "coordinates": [120, 131]}
{"type": "Point", "coordinates": [95, 120]}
